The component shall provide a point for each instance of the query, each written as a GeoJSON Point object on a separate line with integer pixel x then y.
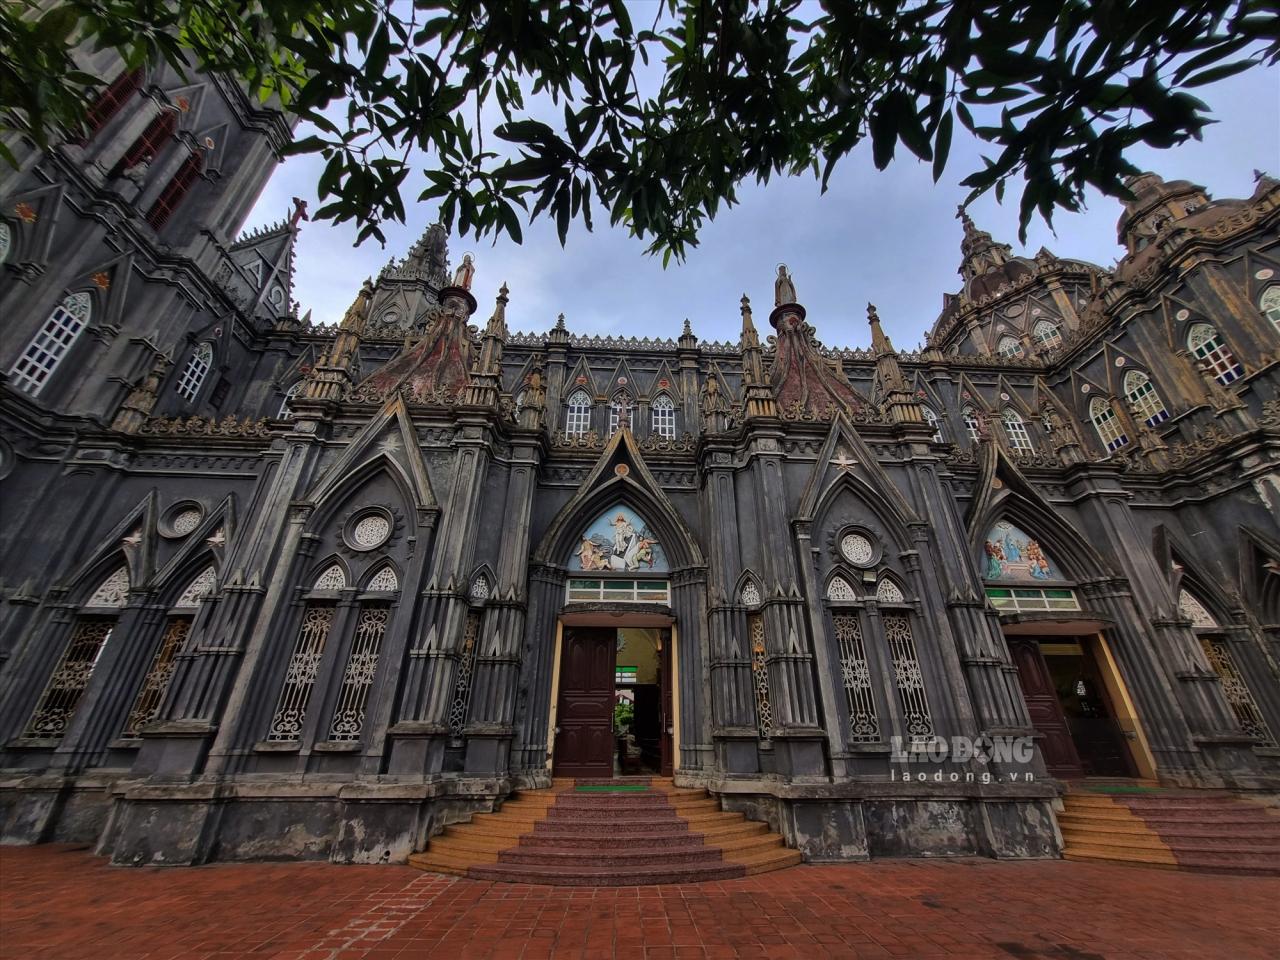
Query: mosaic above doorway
{"type": "Point", "coordinates": [1011, 555]}
{"type": "Point", "coordinates": [620, 540]}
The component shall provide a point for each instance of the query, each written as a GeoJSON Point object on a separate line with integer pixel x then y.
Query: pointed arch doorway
{"type": "Point", "coordinates": [613, 710]}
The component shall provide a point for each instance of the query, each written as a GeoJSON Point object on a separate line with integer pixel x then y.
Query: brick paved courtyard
{"type": "Point", "coordinates": [61, 903]}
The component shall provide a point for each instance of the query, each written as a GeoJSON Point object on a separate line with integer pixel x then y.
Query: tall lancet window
{"type": "Point", "coordinates": [195, 371]}
{"type": "Point", "coordinates": [932, 419]}
{"type": "Point", "coordinates": [32, 370]}
{"type": "Point", "coordinates": [1269, 303]}
{"type": "Point", "coordinates": [664, 416]}
{"type": "Point", "coordinates": [1108, 425]}
{"type": "Point", "coordinates": [1142, 396]}
{"type": "Point", "coordinates": [578, 416]}
{"type": "Point", "coordinates": [1206, 344]}
{"type": "Point", "coordinates": [971, 424]}
{"type": "Point", "coordinates": [1016, 431]}
{"type": "Point", "coordinates": [89, 635]}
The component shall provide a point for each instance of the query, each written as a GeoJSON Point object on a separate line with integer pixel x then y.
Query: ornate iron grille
{"type": "Point", "coordinates": [147, 703]}
{"type": "Point", "coordinates": [760, 676]}
{"type": "Point", "coordinates": [466, 667]}
{"type": "Point", "coordinates": [908, 677]}
{"type": "Point", "coordinates": [864, 725]}
{"type": "Point", "coordinates": [1237, 692]}
{"type": "Point", "coordinates": [300, 677]}
{"type": "Point", "coordinates": [70, 677]}
{"type": "Point", "coordinates": [357, 679]}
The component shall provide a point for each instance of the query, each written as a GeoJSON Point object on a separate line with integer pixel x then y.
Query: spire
{"type": "Point", "coordinates": [902, 406]}
{"type": "Point", "coordinates": [559, 333]}
{"type": "Point", "coordinates": [339, 367]}
{"type": "Point", "coordinates": [486, 376]}
{"type": "Point", "coordinates": [981, 254]}
{"type": "Point", "coordinates": [430, 255]}
{"type": "Point", "coordinates": [687, 339]}
{"type": "Point", "coordinates": [756, 395]}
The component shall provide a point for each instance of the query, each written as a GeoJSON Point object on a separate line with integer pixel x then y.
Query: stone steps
{"type": "Point", "coordinates": [565, 836]}
{"type": "Point", "coordinates": [1216, 833]}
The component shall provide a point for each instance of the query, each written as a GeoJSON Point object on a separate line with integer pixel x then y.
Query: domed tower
{"type": "Point", "coordinates": [1156, 204]}
{"type": "Point", "coordinates": [1013, 307]}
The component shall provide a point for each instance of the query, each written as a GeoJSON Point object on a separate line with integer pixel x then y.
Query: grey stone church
{"type": "Point", "coordinates": [271, 588]}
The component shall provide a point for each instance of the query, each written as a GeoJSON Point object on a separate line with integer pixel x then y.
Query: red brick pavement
{"type": "Point", "coordinates": [61, 903]}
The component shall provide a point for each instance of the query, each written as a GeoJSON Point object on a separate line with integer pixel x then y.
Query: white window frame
{"type": "Point", "coordinates": [1268, 303]}
{"type": "Point", "coordinates": [1047, 333]}
{"type": "Point", "coordinates": [195, 372]}
{"type": "Point", "coordinates": [933, 420]}
{"type": "Point", "coordinates": [1206, 343]}
{"type": "Point", "coordinates": [1104, 419]}
{"type": "Point", "coordinates": [286, 411]}
{"type": "Point", "coordinates": [971, 423]}
{"type": "Point", "coordinates": [615, 590]}
{"type": "Point", "coordinates": [1024, 599]}
{"type": "Point", "coordinates": [1016, 431]}
{"type": "Point", "coordinates": [1008, 346]}
{"type": "Point", "coordinates": [1144, 398]}
{"type": "Point", "coordinates": [662, 416]}
{"type": "Point", "coordinates": [52, 342]}
{"type": "Point", "coordinates": [578, 413]}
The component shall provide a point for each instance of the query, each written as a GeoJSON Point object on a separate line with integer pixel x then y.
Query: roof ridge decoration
{"type": "Point", "coordinates": [804, 385]}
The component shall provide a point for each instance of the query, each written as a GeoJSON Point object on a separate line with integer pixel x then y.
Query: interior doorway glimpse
{"type": "Point", "coordinates": [614, 712]}
{"type": "Point", "coordinates": [1070, 707]}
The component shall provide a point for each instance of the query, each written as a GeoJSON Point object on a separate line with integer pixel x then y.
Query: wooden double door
{"type": "Point", "coordinates": [1069, 708]}
{"type": "Point", "coordinates": [585, 742]}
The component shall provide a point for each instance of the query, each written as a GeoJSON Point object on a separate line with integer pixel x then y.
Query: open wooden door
{"type": "Point", "coordinates": [666, 739]}
{"type": "Point", "coordinates": [1056, 744]}
{"type": "Point", "coordinates": [584, 743]}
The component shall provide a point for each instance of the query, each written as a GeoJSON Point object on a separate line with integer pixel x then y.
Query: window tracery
{"type": "Point", "coordinates": [197, 589]}
{"type": "Point", "coordinates": [197, 368]}
{"type": "Point", "coordinates": [300, 674]}
{"type": "Point", "coordinates": [855, 673]}
{"type": "Point", "coordinates": [889, 592]}
{"type": "Point", "coordinates": [1269, 303]}
{"type": "Point", "coordinates": [839, 590]}
{"type": "Point", "coordinates": [1105, 421]}
{"type": "Point", "coordinates": [113, 591]}
{"type": "Point", "coordinates": [1047, 334]}
{"type": "Point", "coordinates": [332, 578]}
{"type": "Point", "coordinates": [932, 419]}
{"type": "Point", "coordinates": [1143, 398]}
{"type": "Point", "coordinates": [1016, 431]}
{"type": "Point", "coordinates": [31, 371]}
{"type": "Point", "coordinates": [384, 580]}
{"type": "Point", "coordinates": [578, 416]}
{"type": "Point", "coordinates": [663, 416]}
{"type": "Point", "coordinates": [357, 679]}
{"type": "Point", "coordinates": [1205, 343]}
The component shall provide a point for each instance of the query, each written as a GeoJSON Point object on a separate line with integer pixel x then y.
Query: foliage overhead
{"type": "Point", "coordinates": [525, 108]}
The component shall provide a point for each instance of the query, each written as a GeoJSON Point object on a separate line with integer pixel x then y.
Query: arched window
{"type": "Point", "coordinates": [1217, 650]}
{"type": "Point", "coordinates": [621, 402]}
{"type": "Point", "coordinates": [1206, 344]}
{"type": "Point", "coordinates": [1107, 424]}
{"type": "Point", "coordinates": [32, 370]}
{"type": "Point", "coordinates": [1144, 399]}
{"type": "Point", "coordinates": [176, 190]}
{"type": "Point", "coordinates": [1047, 334]}
{"type": "Point", "coordinates": [89, 635]}
{"type": "Point", "coordinates": [196, 370]}
{"type": "Point", "coordinates": [971, 425]}
{"type": "Point", "coordinates": [889, 592]}
{"type": "Point", "coordinates": [839, 590]}
{"type": "Point", "coordinates": [332, 578]}
{"type": "Point", "coordinates": [146, 705]}
{"type": "Point", "coordinates": [1016, 431]}
{"type": "Point", "coordinates": [663, 416]}
{"type": "Point", "coordinates": [152, 143]}
{"type": "Point", "coordinates": [6, 241]}
{"type": "Point", "coordinates": [286, 407]}
{"type": "Point", "coordinates": [578, 419]}
{"type": "Point", "coordinates": [932, 419]}
{"type": "Point", "coordinates": [384, 581]}
{"type": "Point", "coordinates": [1009, 347]}
{"type": "Point", "coordinates": [111, 100]}
{"type": "Point", "coordinates": [1269, 303]}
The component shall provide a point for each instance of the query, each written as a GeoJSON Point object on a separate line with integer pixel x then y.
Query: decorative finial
{"type": "Point", "coordinates": [688, 330]}
{"type": "Point", "coordinates": [873, 318]}
{"type": "Point", "coordinates": [299, 212]}
{"type": "Point", "coordinates": [503, 291]}
{"type": "Point", "coordinates": [560, 322]}
{"type": "Point", "coordinates": [1257, 175]}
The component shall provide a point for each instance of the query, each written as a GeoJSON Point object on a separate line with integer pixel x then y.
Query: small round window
{"type": "Point", "coordinates": [857, 549]}
{"type": "Point", "coordinates": [371, 530]}
{"type": "Point", "coordinates": [182, 520]}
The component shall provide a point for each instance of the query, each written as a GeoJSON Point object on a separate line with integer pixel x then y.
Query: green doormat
{"type": "Point", "coordinates": [613, 788]}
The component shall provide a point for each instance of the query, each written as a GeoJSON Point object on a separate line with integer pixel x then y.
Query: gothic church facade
{"type": "Point", "coordinates": [271, 588]}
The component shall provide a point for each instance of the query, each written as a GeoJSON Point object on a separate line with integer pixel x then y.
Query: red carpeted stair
{"type": "Point", "coordinates": [1184, 830]}
{"type": "Point", "coordinates": [607, 833]}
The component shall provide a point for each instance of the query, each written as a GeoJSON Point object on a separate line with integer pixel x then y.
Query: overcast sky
{"type": "Point", "coordinates": [888, 237]}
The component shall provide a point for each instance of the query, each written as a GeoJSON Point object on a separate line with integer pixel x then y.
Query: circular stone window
{"type": "Point", "coordinates": [182, 520]}
{"type": "Point", "coordinates": [371, 530]}
{"type": "Point", "coordinates": [857, 549]}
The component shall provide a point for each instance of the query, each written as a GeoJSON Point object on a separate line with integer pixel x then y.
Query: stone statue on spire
{"type": "Point", "coordinates": [784, 288]}
{"type": "Point", "coordinates": [466, 271]}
